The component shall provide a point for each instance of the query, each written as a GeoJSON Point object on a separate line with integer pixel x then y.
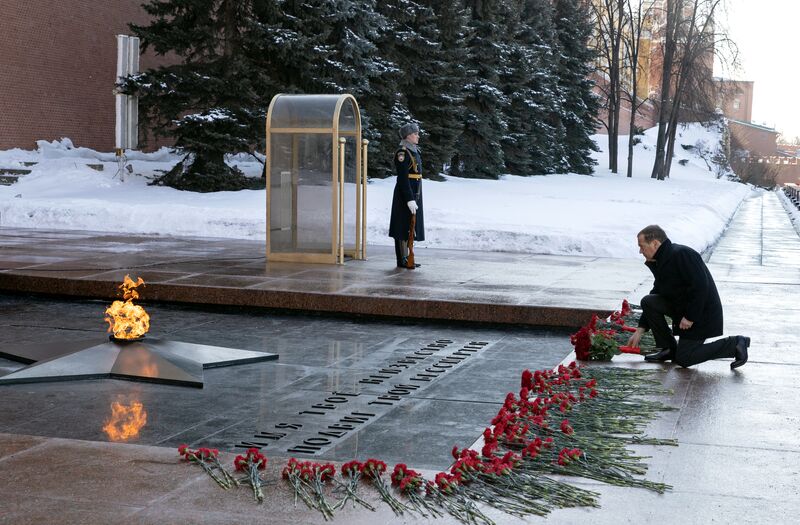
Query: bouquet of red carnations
{"type": "Point", "coordinates": [601, 340]}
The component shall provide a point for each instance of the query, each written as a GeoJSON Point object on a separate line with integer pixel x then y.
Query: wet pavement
{"type": "Point", "coordinates": [738, 460]}
{"type": "Point", "coordinates": [451, 285]}
{"type": "Point", "coordinates": [327, 370]}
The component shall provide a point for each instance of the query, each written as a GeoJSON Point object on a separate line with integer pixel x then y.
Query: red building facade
{"type": "Point", "coordinates": [58, 68]}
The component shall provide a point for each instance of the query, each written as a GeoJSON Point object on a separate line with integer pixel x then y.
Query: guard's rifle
{"type": "Point", "coordinates": [410, 260]}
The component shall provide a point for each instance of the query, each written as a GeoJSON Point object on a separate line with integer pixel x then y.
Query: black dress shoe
{"type": "Point", "coordinates": [742, 343]}
{"type": "Point", "coordinates": [404, 264]}
{"type": "Point", "coordinates": [662, 355]}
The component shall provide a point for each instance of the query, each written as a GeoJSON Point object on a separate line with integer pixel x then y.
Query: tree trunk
{"type": "Point", "coordinates": [633, 41]}
{"type": "Point", "coordinates": [616, 26]}
{"type": "Point", "coordinates": [634, 109]}
{"type": "Point", "coordinates": [613, 118]}
{"type": "Point", "coordinates": [666, 77]}
{"type": "Point", "coordinates": [673, 124]}
{"type": "Point", "coordinates": [687, 62]}
{"type": "Point", "coordinates": [229, 28]}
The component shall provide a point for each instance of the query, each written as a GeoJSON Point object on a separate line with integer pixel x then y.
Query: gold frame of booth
{"type": "Point", "coordinates": [316, 169]}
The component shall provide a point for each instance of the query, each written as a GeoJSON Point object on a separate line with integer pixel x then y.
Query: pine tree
{"type": "Point", "coordinates": [212, 101]}
{"type": "Point", "coordinates": [426, 85]}
{"type": "Point", "coordinates": [387, 104]}
{"type": "Point", "coordinates": [532, 144]}
{"type": "Point", "coordinates": [334, 45]}
{"type": "Point", "coordinates": [479, 153]}
{"type": "Point", "coordinates": [573, 28]}
{"type": "Point", "coordinates": [514, 78]}
{"type": "Point", "coordinates": [336, 51]}
{"type": "Point", "coordinates": [435, 89]}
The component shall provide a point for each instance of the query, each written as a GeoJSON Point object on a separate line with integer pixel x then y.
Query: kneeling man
{"type": "Point", "coordinates": [684, 290]}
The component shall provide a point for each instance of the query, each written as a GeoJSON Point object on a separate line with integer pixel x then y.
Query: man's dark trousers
{"type": "Point", "coordinates": [688, 352]}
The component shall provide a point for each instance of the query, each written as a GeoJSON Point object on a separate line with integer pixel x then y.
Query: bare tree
{"type": "Point", "coordinates": [687, 88]}
{"type": "Point", "coordinates": [610, 21]}
{"type": "Point", "coordinates": [694, 100]}
{"type": "Point", "coordinates": [637, 14]}
{"type": "Point", "coordinates": [754, 171]}
{"type": "Point", "coordinates": [671, 10]}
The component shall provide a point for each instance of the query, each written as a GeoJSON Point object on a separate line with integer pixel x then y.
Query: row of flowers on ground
{"type": "Point", "coordinates": [573, 420]}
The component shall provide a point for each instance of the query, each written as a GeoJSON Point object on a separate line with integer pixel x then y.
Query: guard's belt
{"type": "Point", "coordinates": [415, 176]}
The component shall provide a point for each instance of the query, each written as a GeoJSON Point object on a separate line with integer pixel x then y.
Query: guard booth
{"type": "Point", "coordinates": [316, 179]}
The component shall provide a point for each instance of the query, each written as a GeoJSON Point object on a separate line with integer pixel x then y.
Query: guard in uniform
{"type": "Point", "coordinates": [407, 198]}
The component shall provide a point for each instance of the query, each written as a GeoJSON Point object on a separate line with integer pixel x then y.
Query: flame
{"type": "Point", "coordinates": [125, 319]}
{"type": "Point", "coordinates": [125, 421]}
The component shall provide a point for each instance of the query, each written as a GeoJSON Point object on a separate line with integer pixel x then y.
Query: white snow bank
{"type": "Point", "coordinates": [556, 214]}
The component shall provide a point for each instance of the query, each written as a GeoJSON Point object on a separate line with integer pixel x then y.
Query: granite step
{"type": "Point", "coordinates": [9, 176]}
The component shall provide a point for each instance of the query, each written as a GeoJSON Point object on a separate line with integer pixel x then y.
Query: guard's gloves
{"type": "Point", "coordinates": [412, 205]}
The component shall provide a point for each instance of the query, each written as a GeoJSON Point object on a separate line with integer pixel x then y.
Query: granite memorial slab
{"type": "Point", "coordinates": [310, 422]}
{"type": "Point", "coordinates": [148, 360]}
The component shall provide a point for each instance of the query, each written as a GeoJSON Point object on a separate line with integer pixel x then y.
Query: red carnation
{"type": "Point", "coordinates": [582, 341]}
{"type": "Point", "coordinates": [398, 473]}
{"type": "Point", "coordinates": [626, 308]}
{"type": "Point", "coordinates": [326, 471]}
{"type": "Point", "coordinates": [351, 467]}
{"type": "Point", "coordinates": [527, 379]}
{"type": "Point", "coordinates": [375, 466]}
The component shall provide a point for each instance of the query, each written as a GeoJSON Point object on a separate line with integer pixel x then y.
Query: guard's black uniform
{"type": "Point", "coordinates": [408, 187]}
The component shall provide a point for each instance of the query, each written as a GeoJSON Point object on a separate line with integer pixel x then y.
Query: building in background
{"type": "Point", "coordinates": [58, 67]}
{"type": "Point", "coordinates": [650, 62]}
{"type": "Point", "coordinates": [735, 101]}
{"type": "Point", "coordinates": [735, 98]}
{"type": "Point", "coordinates": [759, 141]}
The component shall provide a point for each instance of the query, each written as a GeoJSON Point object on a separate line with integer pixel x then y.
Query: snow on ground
{"type": "Point", "coordinates": [555, 214]}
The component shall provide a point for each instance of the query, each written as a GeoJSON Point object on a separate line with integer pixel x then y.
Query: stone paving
{"type": "Point", "coordinates": [738, 459]}
{"type": "Point", "coordinates": [355, 361]}
{"type": "Point", "coordinates": [453, 285]}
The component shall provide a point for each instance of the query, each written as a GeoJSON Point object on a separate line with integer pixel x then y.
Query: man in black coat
{"type": "Point", "coordinates": [685, 291]}
{"type": "Point", "coordinates": [407, 197]}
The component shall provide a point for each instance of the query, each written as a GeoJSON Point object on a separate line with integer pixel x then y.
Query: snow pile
{"type": "Point", "coordinates": [554, 214]}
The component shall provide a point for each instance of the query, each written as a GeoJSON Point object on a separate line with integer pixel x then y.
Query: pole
{"type": "Point", "coordinates": [342, 142]}
{"type": "Point", "coordinates": [364, 144]}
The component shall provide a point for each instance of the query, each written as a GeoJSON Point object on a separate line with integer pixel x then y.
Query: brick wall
{"type": "Point", "coordinates": [58, 67]}
{"type": "Point", "coordinates": [759, 141]}
{"type": "Point", "coordinates": [735, 98]}
{"type": "Point", "coordinates": [788, 175]}
{"type": "Point", "coordinates": [784, 169]}
{"type": "Point", "coordinates": [646, 117]}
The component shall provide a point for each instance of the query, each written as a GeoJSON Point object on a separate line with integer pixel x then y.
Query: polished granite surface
{"type": "Point", "coordinates": [452, 379]}
{"type": "Point", "coordinates": [144, 359]}
{"type": "Point", "coordinates": [537, 290]}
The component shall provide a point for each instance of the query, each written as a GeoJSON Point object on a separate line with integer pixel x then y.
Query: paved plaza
{"type": "Point", "coordinates": [738, 459]}
{"type": "Point", "coordinates": [452, 285]}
